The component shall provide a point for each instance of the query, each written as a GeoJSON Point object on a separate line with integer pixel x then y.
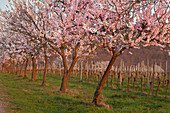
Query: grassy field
{"type": "Point", "coordinates": [25, 96]}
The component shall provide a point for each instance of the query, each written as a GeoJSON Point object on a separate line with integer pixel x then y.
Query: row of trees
{"type": "Point", "coordinates": [74, 29]}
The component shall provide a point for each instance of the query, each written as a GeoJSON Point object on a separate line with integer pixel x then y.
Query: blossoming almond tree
{"type": "Point", "coordinates": [69, 36]}
{"type": "Point", "coordinates": [129, 24]}
{"type": "Point", "coordinates": [32, 19]}
{"type": "Point", "coordinates": [26, 19]}
{"type": "Point", "coordinates": [13, 45]}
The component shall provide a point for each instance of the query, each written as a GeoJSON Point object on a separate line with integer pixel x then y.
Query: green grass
{"type": "Point", "coordinates": [25, 96]}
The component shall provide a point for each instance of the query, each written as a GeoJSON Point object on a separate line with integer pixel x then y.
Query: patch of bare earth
{"type": "Point", "coordinates": [1, 103]}
{"type": "Point", "coordinates": [1, 108]}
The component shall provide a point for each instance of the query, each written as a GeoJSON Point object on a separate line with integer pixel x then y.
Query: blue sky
{"type": "Point", "coordinates": [3, 4]}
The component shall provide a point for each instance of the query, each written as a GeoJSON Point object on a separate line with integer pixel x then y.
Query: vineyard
{"type": "Point", "coordinates": [55, 38]}
{"type": "Point", "coordinates": [22, 95]}
{"type": "Point", "coordinates": [137, 77]}
{"type": "Point", "coordinates": [151, 80]}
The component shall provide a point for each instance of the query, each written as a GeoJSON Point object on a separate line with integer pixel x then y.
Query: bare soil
{"type": "Point", "coordinates": [2, 110]}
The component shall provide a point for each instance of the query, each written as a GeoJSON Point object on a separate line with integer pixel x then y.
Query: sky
{"type": "Point", "coordinates": [3, 4]}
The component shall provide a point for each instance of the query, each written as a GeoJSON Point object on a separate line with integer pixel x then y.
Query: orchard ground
{"type": "Point", "coordinates": [23, 95]}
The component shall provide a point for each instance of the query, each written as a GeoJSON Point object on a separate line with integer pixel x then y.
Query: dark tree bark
{"type": "Point", "coordinates": [16, 71]}
{"type": "Point", "coordinates": [13, 66]}
{"type": "Point", "coordinates": [104, 77]}
{"type": "Point", "coordinates": [33, 68]}
{"type": "Point", "coordinates": [20, 74]}
{"type": "Point", "coordinates": [26, 65]}
{"type": "Point", "coordinates": [45, 71]}
{"type": "Point", "coordinates": [63, 87]}
{"type": "Point", "coordinates": [64, 63]}
{"type": "Point", "coordinates": [159, 83]}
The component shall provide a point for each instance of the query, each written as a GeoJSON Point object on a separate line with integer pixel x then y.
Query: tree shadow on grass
{"type": "Point", "coordinates": [70, 101]}
{"type": "Point", "coordinates": [71, 104]}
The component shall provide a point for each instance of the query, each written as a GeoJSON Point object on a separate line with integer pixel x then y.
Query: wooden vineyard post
{"type": "Point", "coordinates": [121, 69]}
{"type": "Point", "coordinates": [118, 79]}
{"type": "Point", "coordinates": [112, 79]}
{"type": "Point", "coordinates": [144, 79]}
{"type": "Point", "coordinates": [168, 81]}
{"type": "Point", "coordinates": [159, 83]}
{"type": "Point", "coordinates": [101, 70]}
{"type": "Point", "coordinates": [166, 70]}
{"type": "Point", "coordinates": [153, 77]}
{"type": "Point", "coordinates": [150, 88]}
{"type": "Point", "coordinates": [163, 83]}
{"type": "Point", "coordinates": [131, 76]}
{"type": "Point", "coordinates": [55, 69]}
{"type": "Point", "coordinates": [123, 78]}
{"type": "Point", "coordinates": [52, 66]}
{"type": "Point", "coordinates": [142, 84]}
{"type": "Point", "coordinates": [81, 72]}
{"type": "Point", "coordinates": [134, 84]}
{"type": "Point", "coordinates": [77, 72]}
{"type": "Point", "coordinates": [39, 67]}
{"type": "Point", "coordinates": [98, 78]}
{"type": "Point", "coordinates": [122, 82]}
{"type": "Point", "coordinates": [87, 71]}
{"type": "Point", "coordinates": [95, 73]}
{"type": "Point", "coordinates": [107, 81]}
{"type": "Point", "coordinates": [2, 65]}
{"type": "Point", "coordinates": [60, 68]}
{"type": "Point", "coordinates": [165, 73]}
{"type": "Point", "coordinates": [116, 71]}
{"type": "Point", "coordinates": [92, 71]}
{"type": "Point", "coordinates": [148, 73]}
{"type": "Point", "coordinates": [128, 82]}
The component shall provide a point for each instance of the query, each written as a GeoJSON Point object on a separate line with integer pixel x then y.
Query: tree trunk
{"type": "Point", "coordinates": [33, 69]}
{"type": "Point", "coordinates": [159, 83]}
{"type": "Point", "coordinates": [20, 74]}
{"type": "Point", "coordinates": [13, 67]}
{"type": "Point", "coordinates": [63, 87]}
{"type": "Point", "coordinates": [150, 87]}
{"type": "Point", "coordinates": [104, 77]}
{"type": "Point", "coordinates": [8, 69]}
{"type": "Point", "coordinates": [65, 64]}
{"type": "Point", "coordinates": [25, 71]}
{"type": "Point", "coordinates": [16, 71]}
{"type": "Point", "coordinates": [45, 72]}
{"type": "Point", "coordinates": [2, 70]}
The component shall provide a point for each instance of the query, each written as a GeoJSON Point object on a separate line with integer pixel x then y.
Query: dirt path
{"type": "Point", "coordinates": [1, 108]}
{"type": "Point", "coordinates": [1, 103]}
